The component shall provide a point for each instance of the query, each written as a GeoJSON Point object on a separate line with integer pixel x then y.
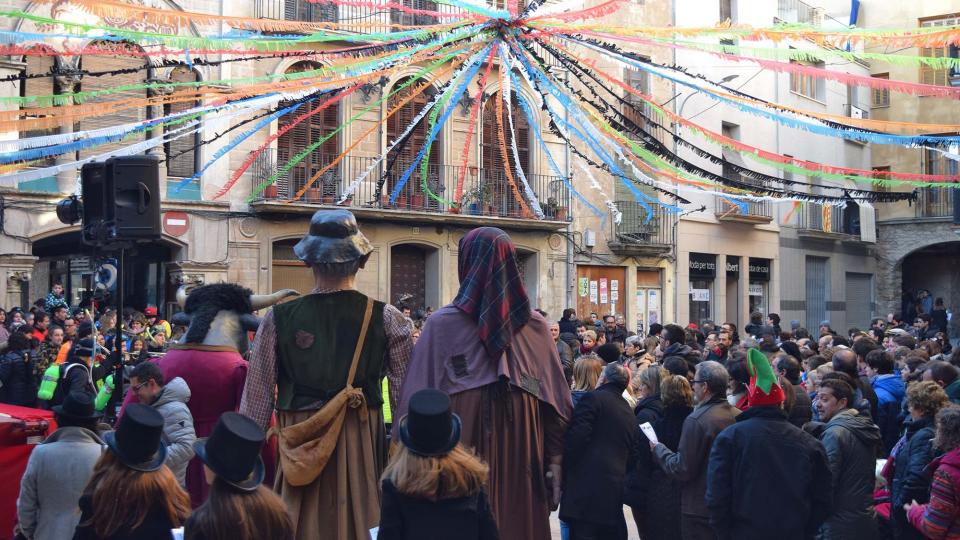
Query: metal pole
{"type": "Point", "coordinates": [117, 341]}
{"type": "Point", "coordinates": [571, 297]}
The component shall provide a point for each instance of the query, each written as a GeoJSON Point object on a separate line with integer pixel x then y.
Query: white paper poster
{"type": "Point", "coordinates": [700, 295]}
{"type": "Point", "coordinates": [755, 289]}
{"type": "Point", "coordinates": [593, 292]}
{"type": "Point", "coordinates": [603, 290]}
{"type": "Point", "coordinates": [653, 306]}
{"type": "Point", "coordinates": [614, 291]}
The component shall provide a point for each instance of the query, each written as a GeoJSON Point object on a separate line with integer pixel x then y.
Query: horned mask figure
{"type": "Point", "coordinates": [221, 314]}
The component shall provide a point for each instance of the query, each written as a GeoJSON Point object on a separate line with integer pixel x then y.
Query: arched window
{"type": "Point", "coordinates": [181, 153]}
{"type": "Point", "coordinates": [400, 158]}
{"type": "Point", "coordinates": [494, 183]}
{"type": "Point", "coordinates": [304, 134]}
{"type": "Point", "coordinates": [98, 67]}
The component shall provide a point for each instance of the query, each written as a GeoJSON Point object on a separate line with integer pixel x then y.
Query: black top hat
{"type": "Point", "coordinates": [429, 428]}
{"type": "Point", "coordinates": [77, 406]}
{"type": "Point", "coordinates": [233, 451]}
{"type": "Point", "coordinates": [136, 442]}
{"type": "Point", "coordinates": [333, 238]}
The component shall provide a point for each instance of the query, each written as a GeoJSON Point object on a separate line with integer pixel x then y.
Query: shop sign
{"type": "Point", "coordinates": [733, 266]}
{"type": "Point", "coordinates": [756, 289]}
{"type": "Point", "coordinates": [703, 265]}
{"type": "Point", "coordinates": [759, 269]}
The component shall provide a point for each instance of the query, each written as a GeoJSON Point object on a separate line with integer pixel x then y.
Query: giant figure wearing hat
{"type": "Point", "coordinates": [210, 358]}
{"type": "Point", "coordinates": [319, 361]}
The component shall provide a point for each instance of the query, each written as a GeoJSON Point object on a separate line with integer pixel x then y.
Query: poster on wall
{"type": "Point", "coordinates": [756, 289]}
{"type": "Point", "coordinates": [603, 290]}
{"type": "Point", "coordinates": [593, 292]}
{"type": "Point", "coordinates": [614, 291]}
{"type": "Point", "coordinates": [653, 307]}
{"type": "Point", "coordinates": [700, 295]}
{"type": "Point", "coordinates": [583, 286]}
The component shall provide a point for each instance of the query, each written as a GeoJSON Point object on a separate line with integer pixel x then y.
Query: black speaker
{"type": "Point", "coordinates": [133, 198]}
{"type": "Point", "coordinates": [93, 192]}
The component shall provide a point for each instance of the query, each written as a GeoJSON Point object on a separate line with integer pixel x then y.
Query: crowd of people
{"type": "Point", "coordinates": [480, 419]}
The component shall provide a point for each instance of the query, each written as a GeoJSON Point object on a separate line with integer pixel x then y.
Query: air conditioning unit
{"type": "Point", "coordinates": [856, 112]}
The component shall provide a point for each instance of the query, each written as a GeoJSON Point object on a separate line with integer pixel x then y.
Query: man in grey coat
{"type": "Point", "coordinates": [58, 470]}
{"type": "Point", "coordinates": [170, 400]}
{"type": "Point", "coordinates": [688, 465]}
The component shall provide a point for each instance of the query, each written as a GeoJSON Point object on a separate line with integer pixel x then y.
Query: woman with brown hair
{"type": "Point", "coordinates": [239, 506]}
{"type": "Point", "coordinates": [433, 488]}
{"type": "Point", "coordinates": [586, 372]}
{"type": "Point", "coordinates": [131, 494]}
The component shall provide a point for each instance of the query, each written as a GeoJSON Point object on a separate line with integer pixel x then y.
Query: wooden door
{"type": "Point", "coordinates": [400, 158]}
{"type": "Point", "coordinates": [601, 289]}
{"type": "Point", "coordinates": [408, 271]}
{"type": "Point", "coordinates": [492, 160]}
{"type": "Point", "coordinates": [304, 134]}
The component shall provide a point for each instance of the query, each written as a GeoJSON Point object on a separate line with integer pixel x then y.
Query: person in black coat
{"type": "Point", "coordinates": [649, 409]}
{"type": "Point", "coordinates": [766, 477]}
{"type": "Point", "coordinates": [660, 519]}
{"type": "Point", "coordinates": [433, 489]}
{"type": "Point", "coordinates": [913, 453]}
{"type": "Point", "coordinates": [17, 383]}
{"type": "Point", "coordinates": [602, 444]}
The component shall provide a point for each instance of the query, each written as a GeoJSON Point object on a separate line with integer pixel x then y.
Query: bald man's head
{"type": "Point", "coordinates": [845, 361]}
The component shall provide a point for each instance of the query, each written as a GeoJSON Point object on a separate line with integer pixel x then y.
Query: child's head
{"type": "Point", "coordinates": [430, 463]}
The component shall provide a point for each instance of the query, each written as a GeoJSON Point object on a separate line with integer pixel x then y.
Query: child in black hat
{"type": "Point", "coordinates": [240, 507]}
{"type": "Point", "coordinates": [132, 494]}
{"type": "Point", "coordinates": [433, 489]}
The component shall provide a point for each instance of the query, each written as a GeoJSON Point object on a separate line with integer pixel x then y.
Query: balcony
{"type": "Point", "coordinates": [353, 19]}
{"type": "Point", "coordinates": [829, 222]}
{"type": "Point", "coordinates": [934, 202]}
{"type": "Point", "coordinates": [486, 194]}
{"type": "Point", "coordinates": [756, 212]}
{"type": "Point", "coordinates": [636, 236]}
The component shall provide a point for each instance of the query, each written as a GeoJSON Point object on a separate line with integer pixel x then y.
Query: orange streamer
{"type": "Point", "coordinates": [501, 139]}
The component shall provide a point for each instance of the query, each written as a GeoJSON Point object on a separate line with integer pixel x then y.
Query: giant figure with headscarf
{"type": "Point", "coordinates": [495, 357]}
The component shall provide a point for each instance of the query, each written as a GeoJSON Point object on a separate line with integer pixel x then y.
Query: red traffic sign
{"type": "Point", "coordinates": [176, 223]}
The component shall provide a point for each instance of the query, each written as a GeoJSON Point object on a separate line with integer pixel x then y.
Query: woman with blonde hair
{"type": "Point", "coordinates": [132, 494]}
{"type": "Point", "coordinates": [433, 488]}
{"type": "Point", "coordinates": [589, 342]}
{"type": "Point", "coordinates": [586, 372]}
{"type": "Point", "coordinates": [239, 507]}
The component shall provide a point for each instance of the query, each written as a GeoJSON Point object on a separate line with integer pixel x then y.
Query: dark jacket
{"type": "Point", "coordinates": [910, 481]}
{"type": "Point", "coordinates": [602, 444]}
{"type": "Point", "coordinates": [17, 383]}
{"type": "Point", "coordinates": [684, 351]}
{"type": "Point", "coordinates": [617, 334]}
{"type": "Point", "coordinates": [568, 326]}
{"type": "Point", "coordinates": [405, 517]}
{"type": "Point", "coordinates": [802, 410]}
{"type": "Point", "coordinates": [953, 392]}
{"type": "Point", "coordinates": [767, 479]}
{"type": "Point", "coordinates": [851, 442]}
{"type": "Point", "coordinates": [156, 526]}
{"type": "Point", "coordinates": [688, 464]}
{"type": "Point", "coordinates": [649, 409]}
{"type": "Point", "coordinates": [890, 393]}
{"type": "Point", "coordinates": [662, 503]}
{"type": "Point", "coordinates": [938, 320]}
{"type": "Point", "coordinates": [866, 389]}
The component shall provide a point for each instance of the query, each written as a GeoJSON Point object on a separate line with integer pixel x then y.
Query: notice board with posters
{"type": "Point", "coordinates": [600, 289]}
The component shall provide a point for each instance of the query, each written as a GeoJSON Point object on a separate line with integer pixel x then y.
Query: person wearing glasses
{"type": "Point", "coordinates": [688, 465]}
{"type": "Point", "coordinates": [170, 400]}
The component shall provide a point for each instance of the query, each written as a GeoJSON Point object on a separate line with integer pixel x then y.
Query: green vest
{"type": "Point", "coordinates": [316, 338]}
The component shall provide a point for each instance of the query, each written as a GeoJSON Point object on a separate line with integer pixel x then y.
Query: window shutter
{"type": "Point", "coordinates": [120, 114]}
{"type": "Point", "coordinates": [181, 153]}
{"type": "Point", "coordinates": [398, 123]}
{"type": "Point", "coordinates": [40, 86]}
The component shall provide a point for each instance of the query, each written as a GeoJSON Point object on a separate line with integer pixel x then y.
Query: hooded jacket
{"type": "Point", "coordinates": [910, 478]}
{"type": "Point", "coordinates": [890, 392]}
{"type": "Point", "coordinates": [178, 433]}
{"type": "Point", "coordinates": [851, 441]}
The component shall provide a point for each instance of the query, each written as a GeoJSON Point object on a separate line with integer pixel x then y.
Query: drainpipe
{"type": "Point", "coordinates": [571, 298]}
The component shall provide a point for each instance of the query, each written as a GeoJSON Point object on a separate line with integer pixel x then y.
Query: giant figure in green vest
{"type": "Point", "coordinates": [312, 362]}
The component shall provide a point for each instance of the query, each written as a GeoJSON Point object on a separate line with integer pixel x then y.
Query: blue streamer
{"type": "Point", "coordinates": [189, 61]}
{"type": "Point", "coordinates": [546, 151]}
{"type": "Point", "coordinates": [235, 141]}
{"type": "Point", "coordinates": [443, 118]}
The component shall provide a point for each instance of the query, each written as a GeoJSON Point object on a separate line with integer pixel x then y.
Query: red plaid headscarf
{"type": "Point", "coordinates": [491, 287]}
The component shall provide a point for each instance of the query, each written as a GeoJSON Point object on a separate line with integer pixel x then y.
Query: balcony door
{"type": "Point", "coordinates": [304, 134]}
{"type": "Point", "coordinates": [493, 162]}
{"type": "Point", "coordinates": [400, 158]}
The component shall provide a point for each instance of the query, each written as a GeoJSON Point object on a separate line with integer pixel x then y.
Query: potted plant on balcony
{"type": "Point", "coordinates": [312, 194]}
{"type": "Point", "coordinates": [477, 199]}
{"type": "Point", "coordinates": [554, 210]}
{"type": "Point", "coordinates": [271, 192]}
